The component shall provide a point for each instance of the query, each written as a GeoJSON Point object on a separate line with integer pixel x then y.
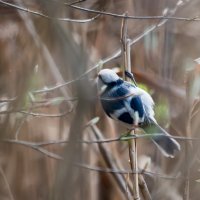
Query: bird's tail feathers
{"type": "Point", "coordinates": [165, 143]}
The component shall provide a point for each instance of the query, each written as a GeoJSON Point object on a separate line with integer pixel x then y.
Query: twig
{"type": "Point", "coordinates": [35, 147]}
{"type": "Point", "coordinates": [125, 171]}
{"type": "Point", "coordinates": [111, 163]}
{"type": "Point", "coordinates": [50, 89]}
{"type": "Point", "coordinates": [100, 141]}
{"type": "Point", "coordinates": [35, 114]}
{"type": "Point", "coordinates": [78, 1]}
{"type": "Point", "coordinates": [124, 30]}
{"type": "Point", "coordinates": [121, 16]}
{"type": "Point", "coordinates": [6, 183]}
{"type": "Point", "coordinates": [45, 115]}
{"type": "Point", "coordinates": [186, 193]}
{"type": "Point", "coordinates": [115, 55]}
{"type": "Point", "coordinates": [53, 101]}
{"type": "Point", "coordinates": [8, 100]}
{"type": "Point", "coordinates": [46, 16]}
{"type": "Point", "coordinates": [163, 86]}
{"type": "Point", "coordinates": [132, 144]}
{"type": "Point", "coordinates": [21, 123]}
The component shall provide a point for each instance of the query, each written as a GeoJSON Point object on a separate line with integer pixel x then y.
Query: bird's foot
{"type": "Point", "coordinates": [127, 136]}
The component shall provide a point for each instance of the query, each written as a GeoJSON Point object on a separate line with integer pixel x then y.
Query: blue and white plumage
{"type": "Point", "coordinates": [134, 107]}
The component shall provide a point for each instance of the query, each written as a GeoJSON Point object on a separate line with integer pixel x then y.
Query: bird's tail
{"type": "Point", "coordinates": [167, 145]}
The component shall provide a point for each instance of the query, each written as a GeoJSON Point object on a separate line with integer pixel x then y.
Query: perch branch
{"type": "Point", "coordinates": [46, 16]}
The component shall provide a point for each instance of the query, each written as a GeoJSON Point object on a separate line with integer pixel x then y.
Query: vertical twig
{"type": "Point", "coordinates": [186, 192]}
{"type": "Point", "coordinates": [138, 179]}
{"type": "Point", "coordinates": [111, 163]}
{"type": "Point", "coordinates": [132, 143]}
{"type": "Point", "coordinates": [6, 184]}
{"type": "Point", "coordinates": [134, 166]}
{"type": "Point", "coordinates": [124, 30]}
{"type": "Point", "coordinates": [144, 189]}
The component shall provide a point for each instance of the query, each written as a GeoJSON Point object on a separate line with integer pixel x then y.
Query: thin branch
{"type": "Point", "coordinates": [132, 144]}
{"type": "Point", "coordinates": [121, 16]}
{"type": "Point", "coordinates": [124, 29]}
{"type": "Point", "coordinates": [75, 2]}
{"type": "Point", "coordinates": [21, 123]}
{"type": "Point", "coordinates": [48, 17]}
{"type": "Point", "coordinates": [112, 163]}
{"type": "Point", "coordinates": [115, 55]}
{"type": "Point", "coordinates": [36, 114]}
{"type": "Point", "coordinates": [99, 141]}
{"type": "Point", "coordinates": [163, 86]}
{"type": "Point", "coordinates": [6, 183]}
{"type": "Point", "coordinates": [167, 16]}
{"type": "Point", "coordinates": [46, 115]}
{"type": "Point", "coordinates": [53, 101]}
{"type": "Point", "coordinates": [35, 147]}
{"type": "Point", "coordinates": [50, 89]}
{"type": "Point", "coordinates": [126, 171]}
{"type": "Point", "coordinates": [106, 170]}
{"type": "Point", "coordinates": [8, 100]}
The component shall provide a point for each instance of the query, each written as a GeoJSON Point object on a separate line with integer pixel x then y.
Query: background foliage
{"type": "Point", "coordinates": [48, 64]}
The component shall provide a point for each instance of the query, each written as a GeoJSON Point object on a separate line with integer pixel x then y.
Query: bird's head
{"type": "Point", "coordinates": [107, 77]}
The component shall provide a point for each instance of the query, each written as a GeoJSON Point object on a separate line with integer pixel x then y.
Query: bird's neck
{"type": "Point", "coordinates": [114, 83]}
{"type": "Point", "coordinates": [110, 85]}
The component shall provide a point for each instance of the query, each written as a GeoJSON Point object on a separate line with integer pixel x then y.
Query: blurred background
{"type": "Point", "coordinates": [50, 54]}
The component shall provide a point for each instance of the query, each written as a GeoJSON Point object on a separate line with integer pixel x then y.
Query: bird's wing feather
{"type": "Point", "coordinates": [148, 104]}
{"type": "Point", "coordinates": [117, 105]}
{"type": "Point", "coordinates": [122, 109]}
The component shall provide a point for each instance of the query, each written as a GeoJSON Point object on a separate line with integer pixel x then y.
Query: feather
{"type": "Point", "coordinates": [167, 145]}
{"type": "Point", "coordinates": [135, 109]}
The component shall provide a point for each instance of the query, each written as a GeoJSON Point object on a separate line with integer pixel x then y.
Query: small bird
{"type": "Point", "coordinates": [134, 107]}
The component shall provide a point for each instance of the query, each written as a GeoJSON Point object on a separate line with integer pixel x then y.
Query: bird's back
{"type": "Point", "coordinates": [120, 103]}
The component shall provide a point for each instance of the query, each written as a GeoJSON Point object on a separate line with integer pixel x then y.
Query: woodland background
{"type": "Point", "coordinates": [48, 66]}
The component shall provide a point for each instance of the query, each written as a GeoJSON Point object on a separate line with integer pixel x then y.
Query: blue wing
{"type": "Point", "coordinates": [122, 109]}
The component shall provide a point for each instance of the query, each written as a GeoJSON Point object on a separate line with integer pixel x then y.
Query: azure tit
{"type": "Point", "coordinates": [134, 107]}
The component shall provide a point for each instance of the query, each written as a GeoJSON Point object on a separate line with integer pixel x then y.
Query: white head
{"type": "Point", "coordinates": [108, 76]}
{"type": "Point", "coordinates": [105, 78]}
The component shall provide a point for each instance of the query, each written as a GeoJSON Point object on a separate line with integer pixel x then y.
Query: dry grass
{"type": "Point", "coordinates": [47, 94]}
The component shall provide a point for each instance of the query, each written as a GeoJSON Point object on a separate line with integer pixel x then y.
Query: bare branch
{"type": "Point", "coordinates": [112, 163]}
{"type": "Point", "coordinates": [126, 171]}
{"type": "Point", "coordinates": [75, 2]}
{"type": "Point", "coordinates": [54, 87]}
{"type": "Point", "coordinates": [8, 100]}
{"type": "Point", "coordinates": [48, 17]}
{"type": "Point", "coordinates": [121, 16]}
{"type": "Point", "coordinates": [99, 141]}
{"type": "Point", "coordinates": [36, 114]}
{"type": "Point", "coordinates": [106, 170]}
{"type": "Point", "coordinates": [115, 55]}
{"type": "Point", "coordinates": [33, 146]}
{"type": "Point", "coordinates": [7, 184]}
{"type": "Point", "coordinates": [45, 115]}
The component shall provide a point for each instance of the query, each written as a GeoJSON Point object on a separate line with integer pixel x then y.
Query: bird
{"type": "Point", "coordinates": [134, 107]}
